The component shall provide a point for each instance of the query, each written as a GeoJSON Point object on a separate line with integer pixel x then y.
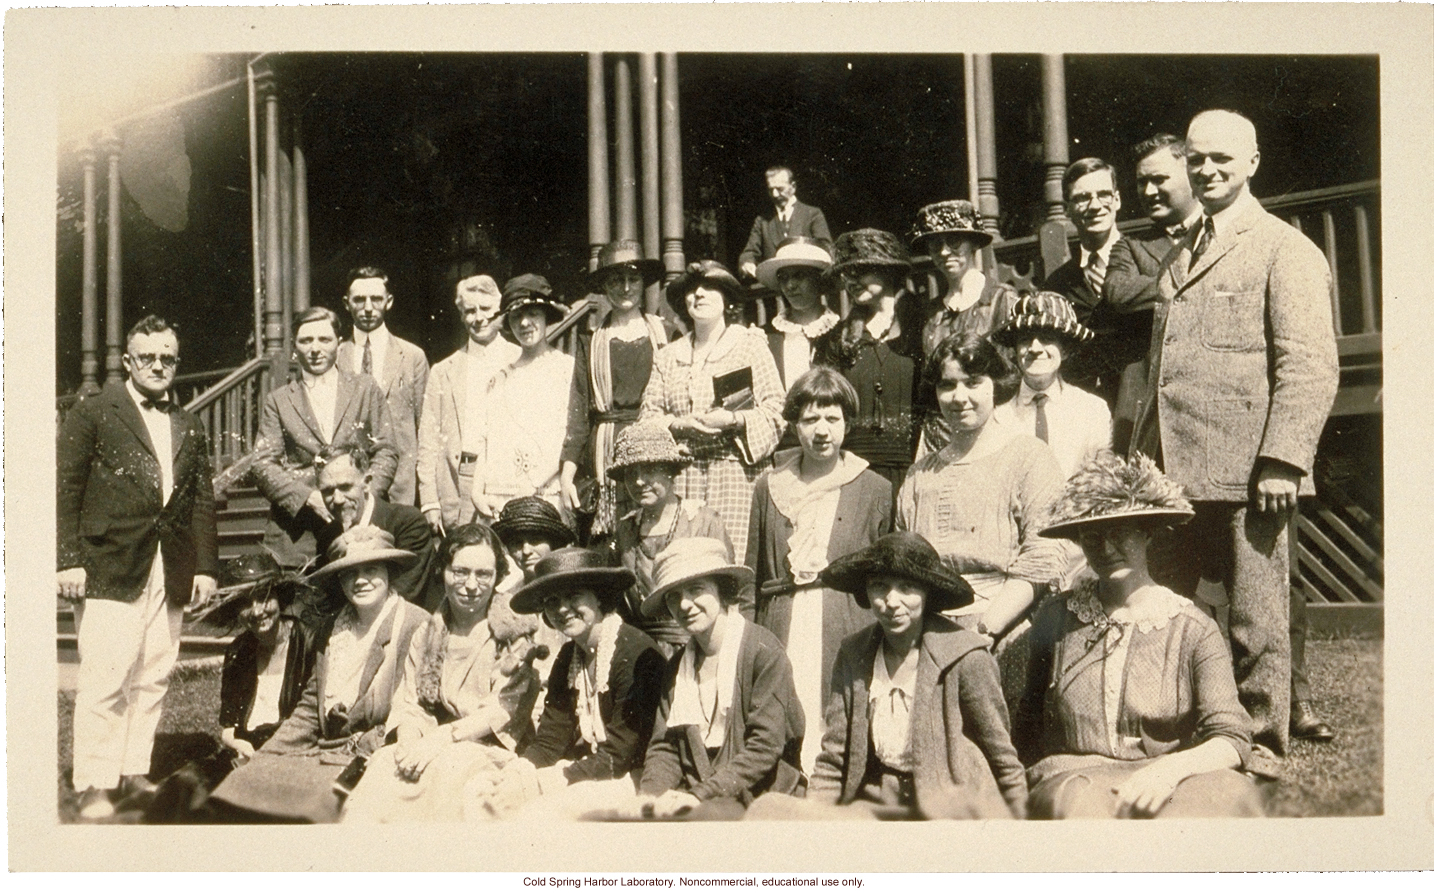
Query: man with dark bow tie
{"type": "Point", "coordinates": [789, 218]}
{"type": "Point", "coordinates": [136, 543]}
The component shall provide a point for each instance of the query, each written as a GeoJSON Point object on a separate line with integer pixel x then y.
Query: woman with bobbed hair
{"type": "Point", "coordinates": [717, 391]}
{"type": "Point", "coordinates": [819, 503]}
{"type": "Point", "coordinates": [981, 499]}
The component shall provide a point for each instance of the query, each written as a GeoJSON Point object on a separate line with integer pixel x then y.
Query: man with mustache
{"type": "Point", "coordinates": [399, 367]}
{"type": "Point", "coordinates": [789, 218]}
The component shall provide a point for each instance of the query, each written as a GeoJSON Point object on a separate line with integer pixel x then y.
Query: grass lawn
{"type": "Point", "coordinates": [1344, 778]}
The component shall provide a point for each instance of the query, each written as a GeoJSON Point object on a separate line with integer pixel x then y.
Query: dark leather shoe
{"type": "Point", "coordinates": [95, 805]}
{"type": "Point", "coordinates": [1306, 726]}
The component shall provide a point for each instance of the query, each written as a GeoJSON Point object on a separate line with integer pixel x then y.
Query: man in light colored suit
{"type": "Point", "coordinates": [449, 435]}
{"type": "Point", "coordinates": [399, 367]}
{"type": "Point", "coordinates": [789, 218]}
{"type": "Point", "coordinates": [1243, 372]}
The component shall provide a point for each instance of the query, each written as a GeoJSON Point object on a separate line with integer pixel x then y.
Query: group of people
{"type": "Point", "coordinates": [926, 557]}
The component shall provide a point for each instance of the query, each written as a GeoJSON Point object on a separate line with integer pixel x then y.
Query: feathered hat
{"type": "Point", "coordinates": [869, 248]}
{"type": "Point", "coordinates": [1110, 488]}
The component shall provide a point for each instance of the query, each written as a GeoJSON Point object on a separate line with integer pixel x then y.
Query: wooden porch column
{"type": "Point", "coordinates": [286, 237]}
{"type": "Point", "coordinates": [110, 145]}
{"type": "Point", "coordinates": [651, 201]}
{"type": "Point", "coordinates": [599, 210]}
{"type": "Point", "coordinates": [89, 287]}
{"type": "Point", "coordinates": [968, 84]}
{"type": "Point", "coordinates": [672, 221]}
{"type": "Point", "coordinates": [626, 156]}
{"type": "Point", "coordinates": [1057, 141]}
{"type": "Point", "coordinates": [274, 333]}
{"type": "Point", "coordinates": [301, 221]}
{"type": "Point", "coordinates": [985, 92]}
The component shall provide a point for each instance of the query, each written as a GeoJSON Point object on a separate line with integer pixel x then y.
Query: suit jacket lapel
{"type": "Point", "coordinates": [375, 657]}
{"type": "Point", "coordinates": [347, 391]}
{"type": "Point", "coordinates": [298, 396]}
{"type": "Point", "coordinates": [129, 414]}
{"type": "Point", "coordinates": [459, 390]}
{"type": "Point", "coordinates": [392, 365]}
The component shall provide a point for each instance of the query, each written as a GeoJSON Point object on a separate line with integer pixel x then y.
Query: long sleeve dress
{"type": "Point", "coordinates": [1107, 695]}
{"type": "Point", "coordinates": [725, 467]}
{"type": "Point", "coordinates": [524, 423]}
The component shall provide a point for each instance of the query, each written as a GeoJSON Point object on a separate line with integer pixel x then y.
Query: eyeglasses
{"type": "Point", "coordinates": [481, 574]}
{"type": "Point", "coordinates": [146, 360]}
{"type": "Point", "coordinates": [1083, 200]}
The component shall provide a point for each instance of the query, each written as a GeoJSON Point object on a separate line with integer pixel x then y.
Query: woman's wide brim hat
{"type": "Point", "coordinates": [533, 515]}
{"type": "Point", "coordinates": [1042, 311]}
{"type": "Point", "coordinates": [564, 570]}
{"type": "Point", "coordinates": [956, 217]}
{"type": "Point", "coordinates": [688, 559]}
{"type": "Point", "coordinates": [1112, 489]}
{"type": "Point", "coordinates": [699, 273]}
{"type": "Point", "coordinates": [363, 545]}
{"type": "Point", "coordinates": [869, 248]}
{"type": "Point", "coordinates": [244, 578]}
{"type": "Point", "coordinates": [624, 253]}
{"type": "Point", "coordinates": [529, 290]}
{"type": "Point", "coordinates": [645, 443]}
{"type": "Point", "coordinates": [798, 251]}
{"type": "Point", "coordinates": [908, 556]}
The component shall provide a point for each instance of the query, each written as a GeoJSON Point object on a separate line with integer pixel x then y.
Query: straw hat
{"type": "Point", "coordinates": [689, 559]}
{"type": "Point", "coordinates": [529, 290]}
{"type": "Point", "coordinates": [870, 248]}
{"type": "Point", "coordinates": [624, 253]}
{"type": "Point", "coordinates": [903, 554]}
{"type": "Point", "coordinates": [1042, 311]}
{"type": "Point", "coordinates": [703, 272]}
{"type": "Point", "coordinates": [564, 570]}
{"type": "Point", "coordinates": [1110, 489]}
{"type": "Point", "coordinates": [798, 251]}
{"type": "Point", "coordinates": [246, 577]}
{"type": "Point", "coordinates": [363, 545]}
{"type": "Point", "coordinates": [956, 217]}
{"type": "Point", "coordinates": [645, 443]}
{"type": "Point", "coordinates": [535, 515]}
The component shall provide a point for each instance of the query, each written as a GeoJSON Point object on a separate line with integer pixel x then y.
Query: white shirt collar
{"type": "Point", "coordinates": [1104, 250]}
{"type": "Point", "coordinates": [380, 337]}
{"type": "Point", "coordinates": [329, 379]}
{"type": "Point", "coordinates": [1226, 218]}
{"type": "Point", "coordinates": [904, 680]}
{"type": "Point", "coordinates": [137, 397]}
{"type": "Point", "coordinates": [1053, 392]}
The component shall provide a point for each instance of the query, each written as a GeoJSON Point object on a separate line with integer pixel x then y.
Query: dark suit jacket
{"type": "Point", "coordinates": [405, 376]}
{"type": "Point", "coordinates": [768, 232]}
{"type": "Point", "coordinates": [109, 511]}
{"type": "Point", "coordinates": [409, 531]}
{"type": "Point", "coordinates": [1120, 338]}
{"type": "Point", "coordinates": [1131, 292]}
{"type": "Point", "coordinates": [628, 707]}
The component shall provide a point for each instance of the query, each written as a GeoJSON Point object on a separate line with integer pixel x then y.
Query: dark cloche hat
{"type": "Point", "coordinates": [869, 248]}
{"type": "Point", "coordinates": [564, 570]}
{"type": "Point", "coordinates": [532, 514]}
{"type": "Point", "coordinates": [906, 555]}
{"type": "Point", "coordinates": [1110, 488]}
{"type": "Point", "coordinates": [703, 272]}
{"type": "Point", "coordinates": [530, 290]}
{"type": "Point", "coordinates": [956, 217]}
{"type": "Point", "coordinates": [623, 253]}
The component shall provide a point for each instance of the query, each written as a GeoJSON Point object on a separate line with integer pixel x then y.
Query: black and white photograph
{"type": "Point", "coordinates": [721, 426]}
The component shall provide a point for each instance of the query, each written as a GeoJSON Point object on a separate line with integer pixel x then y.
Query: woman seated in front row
{"type": "Point", "coordinates": [345, 705]}
{"type": "Point", "coordinates": [916, 726]}
{"type": "Point", "coordinates": [729, 727]}
{"type": "Point", "coordinates": [1131, 709]}
{"type": "Point", "coordinates": [468, 681]}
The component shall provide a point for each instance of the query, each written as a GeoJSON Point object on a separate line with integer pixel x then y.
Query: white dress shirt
{"type": "Point", "coordinates": [1077, 422]}
{"type": "Point", "coordinates": [381, 340]}
{"type": "Point", "coordinates": [482, 362]}
{"type": "Point", "coordinates": [157, 423]}
{"type": "Point", "coordinates": [323, 396]}
{"type": "Point", "coordinates": [891, 698]}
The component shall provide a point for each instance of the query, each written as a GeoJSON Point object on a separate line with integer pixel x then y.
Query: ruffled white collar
{"type": "Point", "coordinates": [813, 330]}
{"type": "Point", "coordinates": [1153, 613]}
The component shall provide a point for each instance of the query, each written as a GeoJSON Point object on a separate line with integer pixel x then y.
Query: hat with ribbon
{"type": "Point", "coordinates": [645, 443]}
{"type": "Point", "coordinates": [529, 290]}
{"type": "Point", "coordinates": [797, 251]}
{"type": "Point", "coordinates": [1111, 489]}
{"type": "Point", "coordinates": [1042, 311]}
{"type": "Point", "coordinates": [245, 578]}
{"type": "Point", "coordinates": [905, 555]}
{"type": "Point", "coordinates": [955, 217]}
{"type": "Point", "coordinates": [692, 558]}
{"type": "Point", "coordinates": [363, 545]}
{"type": "Point", "coordinates": [530, 516]}
{"type": "Point", "coordinates": [564, 570]}
{"type": "Point", "coordinates": [619, 255]}
{"type": "Point", "coordinates": [699, 273]}
{"type": "Point", "coordinates": [869, 248]}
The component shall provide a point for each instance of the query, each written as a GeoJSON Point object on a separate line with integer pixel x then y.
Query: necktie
{"type": "Point", "coordinates": [1042, 430]}
{"type": "Point", "coordinates": [1095, 273]}
{"type": "Point", "coordinates": [161, 404]}
{"type": "Point", "coordinates": [1207, 235]}
{"type": "Point", "coordinates": [367, 357]}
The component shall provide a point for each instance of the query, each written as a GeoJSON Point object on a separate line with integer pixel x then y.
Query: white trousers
{"type": "Point", "coordinates": [126, 653]}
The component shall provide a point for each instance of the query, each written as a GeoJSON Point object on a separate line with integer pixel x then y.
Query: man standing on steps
{"type": "Point", "coordinates": [399, 367]}
{"type": "Point", "coordinates": [1243, 372]}
{"type": "Point", "coordinates": [136, 543]}
{"type": "Point", "coordinates": [449, 434]}
{"type": "Point", "coordinates": [789, 218]}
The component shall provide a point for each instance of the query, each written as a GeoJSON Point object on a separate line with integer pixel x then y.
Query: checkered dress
{"type": "Point", "coordinates": [724, 469]}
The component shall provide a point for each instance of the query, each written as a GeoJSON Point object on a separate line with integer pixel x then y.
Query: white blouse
{"type": "Point", "coordinates": [890, 702]}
